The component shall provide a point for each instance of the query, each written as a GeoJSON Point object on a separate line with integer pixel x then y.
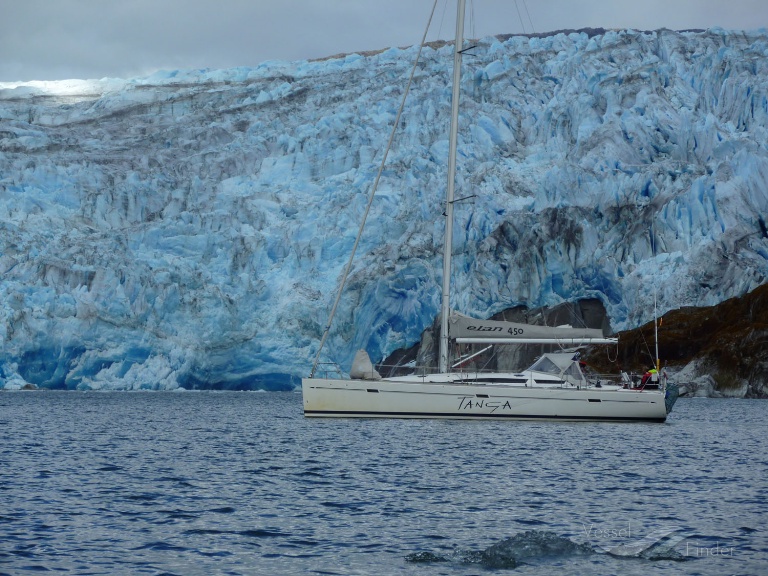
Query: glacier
{"type": "Point", "coordinates": [188, 229]}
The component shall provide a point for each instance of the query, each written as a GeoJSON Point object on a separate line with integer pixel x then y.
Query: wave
{"type": "Point", "coordinates": [541, 545]}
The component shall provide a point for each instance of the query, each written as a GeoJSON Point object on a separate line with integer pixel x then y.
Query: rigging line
{"type": "Point", "coordinates": [472, 22]}
{"type": "Point", "coordinates": [520, 16]}
{"type": "Point", "coordinates": [647, 348]}
{"type": "Point", "coordinates": [525, 5]}
{"type": "Point", "coordinates": [371, 196]}
{"type": "Point", "coordinates": [442, 18]}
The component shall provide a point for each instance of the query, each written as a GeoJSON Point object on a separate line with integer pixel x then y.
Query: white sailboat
{"type": "Point", "coordinates": [554, 387]}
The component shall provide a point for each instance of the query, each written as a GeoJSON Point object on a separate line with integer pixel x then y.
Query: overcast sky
{"type": "Point", "coordinates": [63, 39]}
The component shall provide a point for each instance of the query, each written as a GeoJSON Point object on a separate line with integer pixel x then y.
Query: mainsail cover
{"type": "Point", "coordinates": [464, 328]}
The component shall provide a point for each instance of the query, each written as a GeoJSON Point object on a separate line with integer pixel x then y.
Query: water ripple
{"type": "Point", "coordinates": [217, 483]}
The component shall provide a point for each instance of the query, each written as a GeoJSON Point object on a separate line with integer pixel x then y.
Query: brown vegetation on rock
{"type": "Point", "coordinates": [729, 342]}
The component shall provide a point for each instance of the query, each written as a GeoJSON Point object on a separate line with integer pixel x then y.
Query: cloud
{"type": "Point", "coordinates": [47, 40]}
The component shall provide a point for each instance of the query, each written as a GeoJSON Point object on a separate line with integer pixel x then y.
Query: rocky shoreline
{"type": "Point", "coordinates": [719, 351]}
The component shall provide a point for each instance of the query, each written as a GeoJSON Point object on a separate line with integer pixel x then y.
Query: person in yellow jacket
{"type": "Point", "coordinates": [652, 375]}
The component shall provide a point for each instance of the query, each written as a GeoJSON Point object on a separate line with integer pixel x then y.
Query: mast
{"type": "Point", "coordinates": [445, 307]}
{"type": "Point", "coordinates": [656, 330]}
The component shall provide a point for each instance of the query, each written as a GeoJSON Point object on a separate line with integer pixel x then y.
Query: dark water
{"type": "Point", "coordinates": [241, 483]}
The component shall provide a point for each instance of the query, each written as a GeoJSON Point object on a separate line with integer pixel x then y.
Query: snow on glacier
{"type": "Point", "coordinates": [189, 229]}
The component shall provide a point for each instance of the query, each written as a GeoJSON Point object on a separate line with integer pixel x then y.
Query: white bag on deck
{"type": "Point", "coordinates": [362, 368]}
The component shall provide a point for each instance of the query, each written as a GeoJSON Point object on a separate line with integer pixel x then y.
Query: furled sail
{"type": "Point", "coordinates": [471, 331]}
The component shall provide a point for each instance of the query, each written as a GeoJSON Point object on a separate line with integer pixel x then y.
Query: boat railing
{"type": "Point", "coordinates": [630, 380]}
{"type": "Point", "coordinates": [331, 371]}
{"type": "Point", "coordinates": [605, 379]}
{"type": "Point", "coordinates": [387, 370]}
{"type": "Point", "coordinates": [390, 370]}
{"type": "Point", "coordinates": [593, 379]}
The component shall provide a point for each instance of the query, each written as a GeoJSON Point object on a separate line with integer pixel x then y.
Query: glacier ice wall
{"type": "Point", "coordinates": [188, 229]}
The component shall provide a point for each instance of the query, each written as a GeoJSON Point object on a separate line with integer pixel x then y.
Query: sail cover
{"type": "Point", "coordinates": [466, 329]}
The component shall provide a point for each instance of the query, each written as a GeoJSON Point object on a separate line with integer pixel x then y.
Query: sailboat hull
{"type": "Point", "coordinates": [388, 399]}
